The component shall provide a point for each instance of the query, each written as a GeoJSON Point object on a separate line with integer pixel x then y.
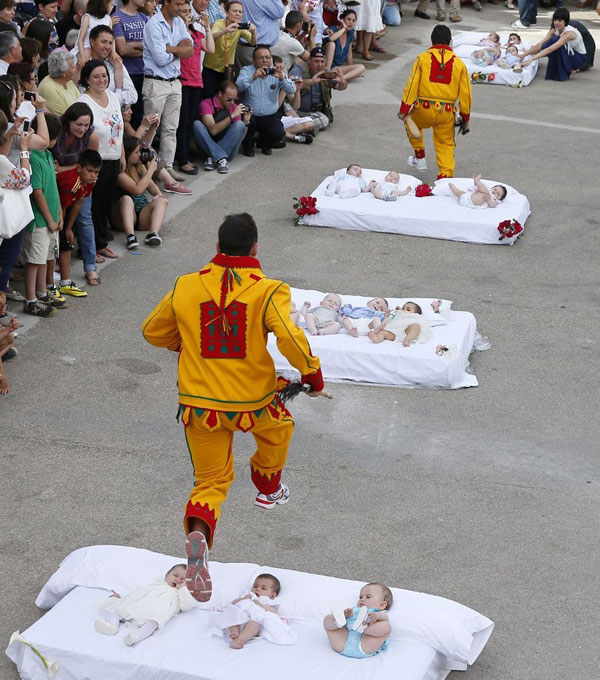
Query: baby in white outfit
{"type": "Point", "coordinates": [511, 59]}
{"type": "Point", "coordinates": [147, 608]}
{"type": "Point", "coordinates": [479, 196]}
{"type": "Point", "coordinates": [350, 185]}
{"type": "Point", "coordinates": [406, 325]}
{"type": "Point", "coordinates": [253, 614]}
{"type": "Point", "coordinates": [388, 190]}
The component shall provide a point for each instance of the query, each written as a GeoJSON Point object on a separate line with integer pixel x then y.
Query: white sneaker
{"type": "Point", "coordinates": [518, 24]}
{"type": "Point", "coordinates": [363, 612]}
{"type": "Point", "coordinates": [268, 501]}
{"type": "Point", "coordinates": [337, 611]}
{"type": "Point", "coordinates": [104, 627]}
{"type": "Point", "coordinates": [418, 163]}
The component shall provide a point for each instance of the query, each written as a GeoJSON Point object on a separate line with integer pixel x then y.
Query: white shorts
{"type": "Point", "coordinates": [39, 245]}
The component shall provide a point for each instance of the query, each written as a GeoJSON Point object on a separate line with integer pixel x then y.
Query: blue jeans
{"type": "Point", "coordinates": [391, 15]}
{"type": "Point", "coordinates": [9, 252]}
{"type": "Point", "coordinates": [528, 11]}
{"type": "Point", "coordinates": [227, 147]}
{"type": "Point", "coordinates": [84, 227]}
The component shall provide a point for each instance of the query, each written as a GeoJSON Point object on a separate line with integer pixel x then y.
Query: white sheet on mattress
{"type": "Point", "coordinates": [431, 635]}
{"type": "Point", "coordinates": [466, 42]}
{"type": "Point", "coordinates": [432, 216]}
{"type": "Point", "coordinates": [344, 358]}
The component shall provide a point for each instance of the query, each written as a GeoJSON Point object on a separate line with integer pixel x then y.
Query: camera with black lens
{"type": "Point", "coordinates": [243, 25]}
{"type": "Point", "coordinates": [146, 155]}
{"type": "Point", "coordinates": [245, 108]}
{"type": "Point", "coordinates": [270, 71]}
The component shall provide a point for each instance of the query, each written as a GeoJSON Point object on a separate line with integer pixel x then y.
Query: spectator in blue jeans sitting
{"type": "Point", "coordinates": [222, 127]}
{"type": "Point", "coordinates": [260, 85]}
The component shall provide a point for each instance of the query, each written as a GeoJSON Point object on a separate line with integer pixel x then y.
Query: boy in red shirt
{"type": "Point", "coordinates": [73, 186]}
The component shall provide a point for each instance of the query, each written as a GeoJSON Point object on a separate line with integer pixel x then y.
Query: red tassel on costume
{"type": "Point", "coordinates": [203, 512]}
{"type": "Point", "coordinates": [420, 153]}
{"type": "Point", "coordinates": [263, 483]}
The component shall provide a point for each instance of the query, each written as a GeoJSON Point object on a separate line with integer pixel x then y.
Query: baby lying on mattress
{"type": "Point", "coordinates": [361, 631]}
{"type": "Point", "coordinates": [479, 196]}
{"type": "Point", "coordinates": [253, 614]}
{"type": "Point", "coordinates": [490, 52]}
{"type": "Point", "coordinates": [406, 324]}
{"type": "Point", "coordinates": [351, 184]}
{"type": "Point", "coordinates": [329, 317]}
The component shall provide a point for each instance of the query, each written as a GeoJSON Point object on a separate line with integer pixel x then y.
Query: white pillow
{"type": "Point", "coordinates": [123, 568]}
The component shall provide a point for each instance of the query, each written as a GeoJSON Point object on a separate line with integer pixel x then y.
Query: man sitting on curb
{"type": "Point", "coordinates": [222, 127]}
{"type": "Point", "coordinates": [260, 85]}
{"type": "Point", "coordinates": [315, 93]}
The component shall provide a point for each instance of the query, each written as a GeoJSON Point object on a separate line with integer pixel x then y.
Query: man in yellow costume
{"type": "Point", "coordinates": [218, 320]}
{"type": "Point", "coordinates": [438, 79]}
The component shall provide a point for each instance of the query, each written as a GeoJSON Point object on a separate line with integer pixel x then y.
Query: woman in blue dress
{"type": "Point", "coordinates": [564, 47]}
{"type": "Point", "coordinates": [338, 48]}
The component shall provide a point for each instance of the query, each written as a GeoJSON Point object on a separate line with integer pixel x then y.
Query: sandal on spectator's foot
{"type": "Point", "coordinates": [107, 252]}
{"type": "Point", "coordinates": [99, 259]}
{"type": "Point", "coordinates": [93, 279]}
{"type": "Point", "coordinates": [378, 49]}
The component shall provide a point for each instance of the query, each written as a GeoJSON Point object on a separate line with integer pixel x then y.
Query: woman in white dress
{"type": "Point", "coordinates": [368, 23]}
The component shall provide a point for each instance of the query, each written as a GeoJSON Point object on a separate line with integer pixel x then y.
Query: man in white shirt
{"type": "Point", "coordinates": [10, 50]}
{"type": "Point", "coordinates": [288, 47]}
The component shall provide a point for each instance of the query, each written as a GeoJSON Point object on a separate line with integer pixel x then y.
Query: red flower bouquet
{"type": "Point", "coordinates": [305, 205]}
{"type": "Point", "coordinates": [509, 228]}
{"type": "Point", "coordinates": [423, 190]}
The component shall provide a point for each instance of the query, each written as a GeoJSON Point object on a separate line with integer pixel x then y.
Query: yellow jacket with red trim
{"type": "Point", "coordinates": [218, 320]}
{"type": "Point", "coordinates": [439, 75]}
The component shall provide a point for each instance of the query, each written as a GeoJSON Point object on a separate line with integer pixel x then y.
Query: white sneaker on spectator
{"type": "Point", "coordinates": [303, 139]}
{"type": "Point", "coordinates": [518, 24]}
{"type": "Point", "coordinates": [209, 165]}
{"type": "Point", "coordinates": [418, 163]}
{"type": "Point", "coordinates": [222, 166]}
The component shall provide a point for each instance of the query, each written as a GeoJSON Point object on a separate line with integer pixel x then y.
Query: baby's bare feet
{"type": "Point", "coordinates": [354, 333]}
{"type": "Point", "coordinates": [236, 644]}
{"type": "Point", "coordinates": [406, 342]}
{"type": "Point", "coordinates": [233, 635]}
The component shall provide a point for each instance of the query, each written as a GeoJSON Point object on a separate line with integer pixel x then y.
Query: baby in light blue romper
{"type": "Point", "coordinates": [359, 320]}
{"type": "Point", "coordinates": [362, 631]}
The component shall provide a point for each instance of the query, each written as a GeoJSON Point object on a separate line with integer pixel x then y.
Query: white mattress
{"type": "Point", "coordinates": [466, 42]}
{"type": "Point", "coordinates": [347, 359]}
{"type": "Point", "coordinates": [185, 649]}
{"type": "Point", "coordinates": [438, 216]}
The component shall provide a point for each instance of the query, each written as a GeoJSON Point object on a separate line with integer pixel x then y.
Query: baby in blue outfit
{"type": "Point", "coordinates": [360, 320]}
{"type": "Point", "coordinates": [361, 631]}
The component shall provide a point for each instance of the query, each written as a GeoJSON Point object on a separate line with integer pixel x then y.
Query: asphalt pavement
{"type": "Point", "coordinates": [488, 495]}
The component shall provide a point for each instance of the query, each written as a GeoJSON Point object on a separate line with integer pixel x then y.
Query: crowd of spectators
{"type": "Point", "coordinates": [104, 108]}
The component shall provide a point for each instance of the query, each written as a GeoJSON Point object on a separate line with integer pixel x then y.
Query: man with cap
{"type": "Point", "coordinates": [317, 84]}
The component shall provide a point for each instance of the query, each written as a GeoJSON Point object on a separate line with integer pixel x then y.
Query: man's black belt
{"type": "Point", "coordinates": [166, 80]}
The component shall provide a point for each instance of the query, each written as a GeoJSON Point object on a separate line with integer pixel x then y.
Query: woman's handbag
{"type": "Point", "coordinates": [15, 211]}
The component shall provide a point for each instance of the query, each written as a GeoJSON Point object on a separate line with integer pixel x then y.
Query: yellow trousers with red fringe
{"type": "Point", "coordinates": [442, 121]}
{"type": "Point", "coordinates": [209, 436]}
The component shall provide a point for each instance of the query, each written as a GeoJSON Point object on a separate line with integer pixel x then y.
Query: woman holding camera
{"type": "Point", "coordinates": [108, 125]}
{"type": "Point", "coordinates": [218, 66]}
{"type": "Point", "coordinates": [133, 209]}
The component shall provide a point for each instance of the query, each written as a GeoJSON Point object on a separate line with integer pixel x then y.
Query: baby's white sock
{"type": "Point", "coordinates": [145, 631]}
